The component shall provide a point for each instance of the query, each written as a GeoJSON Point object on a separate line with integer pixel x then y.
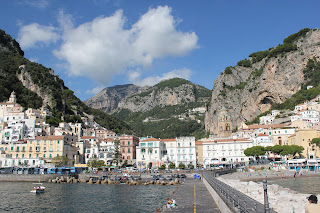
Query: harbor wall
{"type": "Point", "coordinates": [27, 177]}
{"type": "Point", "coordinates": [221, 204]}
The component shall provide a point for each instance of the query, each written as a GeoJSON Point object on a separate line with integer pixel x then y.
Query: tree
{"type": "Point", "coordinates": [277, 149]}
{"type": "Point", "coordinates": [255, 151]}
{"type": "Point", "coordinates": [191, 166]}
{"type": "Point", "coordinates": [172, 166]}
{"type": "Point", "coordinates": [162, 167]}
{"type": "Point", "coordinates": [60, 160]}
{"type": "Point", "coordinates": [182, 166]}
{"type": "Point", "coordinates": [94, 162]}
{"type": "Point", "coordinates": [296, 150]}
{"type": "Point", "coordinates": [117, 154]}
{"type": "Point", "coordinates": [316, 141]}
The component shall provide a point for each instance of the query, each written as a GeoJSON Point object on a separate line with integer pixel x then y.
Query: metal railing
{"type": "Point", "coordinates": [237, 201]}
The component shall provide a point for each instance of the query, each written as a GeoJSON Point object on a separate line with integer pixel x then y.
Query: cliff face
{"type": "Point", "coordinates": [247, 91]}
{"type": "Point", "coordinates": [26, 80]}
{"type": "Point", "coordinates": [109, 98]}
{"type": "Point", "coordinates": [154, 96]}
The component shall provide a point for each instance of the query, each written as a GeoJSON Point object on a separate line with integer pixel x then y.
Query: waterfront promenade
{"type": "Point", "coordinates": [193, 196]}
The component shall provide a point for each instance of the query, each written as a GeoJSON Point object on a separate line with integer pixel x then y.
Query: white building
{"type": "Point", "coordinates": [263, 140]}
{"type": "Point", "coordinates": [180, 150]}
{"type": "Point", "coordinates": [150, 153]}
{"type": "Point", "coordinates": [268, 119]}
{"type": "Point", "coordinates": [227, 151]}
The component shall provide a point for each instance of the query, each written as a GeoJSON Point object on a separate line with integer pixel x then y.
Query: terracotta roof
{"type": "Point", "coordinates": [151, 139]}
{"type": "Point", "coordinates": [272, 126]}
{"type": "Point", "coordinates": [87, 137]}
{"type": "Point", "coordinates": [227, 140]}
{"type": "Point", "coordinates": [52, 137]}
{"type": "Point", "coordinates": [261, 134]}
{"type": "Point", "coordinates": [169, 140]}
{"type": "Point", "coordinates": [199, 142]}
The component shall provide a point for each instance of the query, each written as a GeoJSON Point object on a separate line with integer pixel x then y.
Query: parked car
{"type": "Point", "coordinates": [183, 176]}
{"type": "Point", "coordinates": [169, 177]}
{"type": "Point", "coordinates": [136, 178]}
{"type": "Point", "coordinates": [162, 178]}
{"type": "Point", "coordinates": [155, 177]}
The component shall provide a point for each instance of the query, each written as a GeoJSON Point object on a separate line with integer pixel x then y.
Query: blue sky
{"type": "Point", "coordinates": [95, 44]}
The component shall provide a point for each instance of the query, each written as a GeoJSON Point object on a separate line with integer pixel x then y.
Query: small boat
{"type": "Point", "coordinates": [38, 189]}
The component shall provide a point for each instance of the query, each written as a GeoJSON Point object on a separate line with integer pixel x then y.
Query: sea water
{"type": "Point", "coordinates": [81, 197]}
{"type": "Point", "coordinates": [305, 185]}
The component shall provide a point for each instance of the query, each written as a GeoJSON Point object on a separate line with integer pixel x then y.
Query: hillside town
{"type": "Point", "coordinates": [28, 141]}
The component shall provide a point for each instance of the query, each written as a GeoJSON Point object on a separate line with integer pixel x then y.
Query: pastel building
{"type": "Point", "coordinates": [128, 144]}
{"type": "Point", "coordinates": [226, 151]}
{"type": "Point", "coordinates": [150, 153]}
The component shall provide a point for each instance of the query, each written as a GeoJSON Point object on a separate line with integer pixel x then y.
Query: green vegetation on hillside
{"type": "Point", "coordinates": [228, 70]}
{"type": "Point", "coordinates": [64, 103]}
{"type": "Point", "coordinates": [244, 63]}
{"type": "Point", "coordinates": [258, 56]}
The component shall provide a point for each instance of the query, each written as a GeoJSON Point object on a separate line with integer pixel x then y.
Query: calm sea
{"type": "Point", "coordinates": [305, 185]}
{"type": "Point", "coordinates": [80, 197]}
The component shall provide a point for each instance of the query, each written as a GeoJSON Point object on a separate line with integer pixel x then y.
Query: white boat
{"type": "Point", "coordinates": [38, 189]}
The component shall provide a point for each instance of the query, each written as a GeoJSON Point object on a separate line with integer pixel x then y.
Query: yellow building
{"type": "Point", "coordinates": [199, 152]}
{"type": "Point", "coordinates": [44, 147]}
{"type": "Point", "coordinates": [303, 138]}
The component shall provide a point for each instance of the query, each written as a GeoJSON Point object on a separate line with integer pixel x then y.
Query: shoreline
{"type": "Point", "coordinates": [281, 199]}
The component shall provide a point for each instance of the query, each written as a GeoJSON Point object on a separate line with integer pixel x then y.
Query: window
{"type": "Point", "coordinates": [57, 155]}
{"type": "Point", "coordinates": [155, 151]}
{"type": "Point", "coordinates": [44, 155]}
{"type": "Point", "coordinates": [58, 148]}
{"type": "Point", "coordinates": [128, 150]}
{"type": "Point", "coordinates": [17, 155]}
{"type": "Point", "coordinates": [128, 143]}
{"type": "Point", "coordinates": [29, 155]}
{"type": "Point", "coordinates": [12, 148]}
{"type": "Point", "coordinates": [123, 151]}
{"type": "Point", "coordinates": [123, 143]}
{"type": "Point", "coordinates": [23, 148]}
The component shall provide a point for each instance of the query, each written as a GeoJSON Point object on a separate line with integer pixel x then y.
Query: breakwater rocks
{"type": "Point", "coordinates": [71, 180]}
{"type": "Point", "coordinates": [281, 199]}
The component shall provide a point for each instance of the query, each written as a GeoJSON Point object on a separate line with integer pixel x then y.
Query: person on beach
{"type": "Point", "coordinates": [312, 206]}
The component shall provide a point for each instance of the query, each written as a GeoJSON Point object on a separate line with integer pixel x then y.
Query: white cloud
{"type": "Point", "coordinates": [95, 90]}
{"type": "Point", "coordinates": [135, 77]}
{"type": "Point", "coordinates": [37, 3]}
{"type": "Point", "coordinates": [33, 34]}
{"type": "Point", "coordinates": [33, 59]}
{"type": "Point", "coordinates": [103, 47]}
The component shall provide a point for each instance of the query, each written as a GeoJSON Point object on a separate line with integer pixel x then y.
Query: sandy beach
{"type": "Point", "coordinates": [282, 200]}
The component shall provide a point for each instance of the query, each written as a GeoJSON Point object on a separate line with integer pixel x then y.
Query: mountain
{"type": "Point", "coordinates": [36, 86]}
{"type": "Point", "coordinates": [109, 98]}
{"type": "Point", "coordinates": [266, 79]}
{"type": "Point", "coordinates": [171, 108]}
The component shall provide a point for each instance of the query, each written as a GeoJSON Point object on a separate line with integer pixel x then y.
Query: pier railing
{"type": "Point", "coordinates": [237, 201]}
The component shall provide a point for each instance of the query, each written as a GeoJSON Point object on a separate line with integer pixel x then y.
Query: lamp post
{"type": "Point", "coordinates": [266, 202]}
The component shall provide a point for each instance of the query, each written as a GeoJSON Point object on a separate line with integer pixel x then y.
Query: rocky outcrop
{"type": "Point", "coordinates": [26, 80]}
{"type": "Point", "coordinates": [163, 96]}
{"type": "Point", "coordinates": [109, 98]}
{"type": "Point", "coordinates": [249, 91]}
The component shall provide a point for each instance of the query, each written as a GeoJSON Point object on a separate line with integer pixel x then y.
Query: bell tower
{"type": "Point", "coordinates": [224, 124]}
{"type": "Point", "coordinates": [13, 98]}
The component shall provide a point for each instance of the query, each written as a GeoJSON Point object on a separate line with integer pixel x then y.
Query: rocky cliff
{"type": "Point", "coordinates": [109, 98]}
{"type": "Point", "coordinates": [265, 78]}
{"type": "Point", "coordinates": [166, 93]}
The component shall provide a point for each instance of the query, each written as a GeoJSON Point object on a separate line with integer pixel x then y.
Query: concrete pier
{"type": "Point", "coordinates": [193, 196]}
